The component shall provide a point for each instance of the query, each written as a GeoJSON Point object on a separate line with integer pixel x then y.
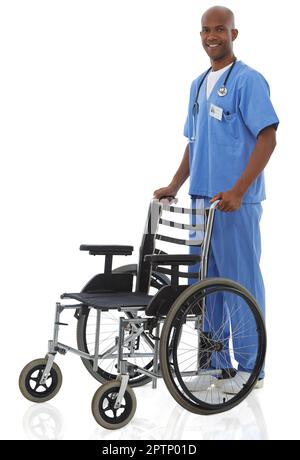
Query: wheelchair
{"type": "Point", "coordinates": [138, 323]}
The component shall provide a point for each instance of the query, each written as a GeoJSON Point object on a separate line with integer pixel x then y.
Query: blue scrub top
{"type": "Point", "coordinates": [222, 149]}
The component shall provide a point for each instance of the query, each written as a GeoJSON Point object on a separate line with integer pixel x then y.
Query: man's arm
{"type": "Point", "coordinates": [232, 199]}
{"type": "Point", "coordinates": [178, 180]}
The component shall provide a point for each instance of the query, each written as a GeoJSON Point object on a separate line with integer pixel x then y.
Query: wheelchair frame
{"type": "Point", "coordinates": [149, 261]}
{"type": "Point", "coordinates": [54, 346]}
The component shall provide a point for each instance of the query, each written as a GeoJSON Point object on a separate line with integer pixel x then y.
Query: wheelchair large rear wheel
{"type": "Point", "coordinates": [109, 330]}
{"type": "Point", "coordinates": [218, 338]}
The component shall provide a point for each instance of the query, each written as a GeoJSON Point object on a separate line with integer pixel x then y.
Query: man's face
{"type": "Point", "coordinates": [217, 36]}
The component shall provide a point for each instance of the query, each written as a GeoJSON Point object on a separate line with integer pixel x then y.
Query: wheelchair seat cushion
{"type": "Point", "coordinates": [111, 299]}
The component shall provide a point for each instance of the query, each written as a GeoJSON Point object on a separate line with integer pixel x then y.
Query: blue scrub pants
{"type": "Point", "coordinates": [235, 254]}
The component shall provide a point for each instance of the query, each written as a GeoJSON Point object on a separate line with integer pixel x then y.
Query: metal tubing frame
{"type": "Point", "coordinates": [158, 375]}
{"type": "Point", "coordinates": [54, 346]}
{"type": "Point", "coordinates": [120, 343]}
{"type": "Point", "coordinates": [82, 354]}
{"type": "Point", "coordinates": [58, 312]}
{"type": "Point", "coordinates": [125, 321]}
{"type": "Point", "coordinates": [47, 368]}
{"type": "Point", "coordinates": [123, 365]}
{"type": "Point", "coordinates": [204, 258]}
{"type": "Point", "coordinates": [96, 351]}
{"type": "Point", "coordinates": [124, 382]}
{"type": "Point", "coordinates": [155, 359]}
{"type": "Point", "coordinates": [207, 240]}
{"type": "Point", "coordinates": [146, 372]}
{"type": "Point", "coordinates": [129, 355]}
{"type": "Point", "coordinates": [131, 342]}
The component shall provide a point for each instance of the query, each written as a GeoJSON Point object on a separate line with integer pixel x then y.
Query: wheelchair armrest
{"type": "Point", "coordinates": [112, 250]}
{"type": "Point", "coordinates": [171, 259]}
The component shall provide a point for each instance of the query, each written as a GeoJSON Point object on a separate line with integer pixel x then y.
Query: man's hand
{"type": "Point", "coordinates": [165, 191]}
{"type": "Point", "coordinates": [230, 201]}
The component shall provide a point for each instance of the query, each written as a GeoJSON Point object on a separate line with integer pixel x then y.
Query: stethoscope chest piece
{"type": "Point", "coordinates": [222, 91]}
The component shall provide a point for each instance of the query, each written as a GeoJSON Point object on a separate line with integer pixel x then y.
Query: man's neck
{"type": "Point", "coordinates": [220, 64]}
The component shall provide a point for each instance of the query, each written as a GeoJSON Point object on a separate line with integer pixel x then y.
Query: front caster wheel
{"type": "Point", "coordinates": [103, 406]}
{"type": "Point", "coordinates": [29, 381]}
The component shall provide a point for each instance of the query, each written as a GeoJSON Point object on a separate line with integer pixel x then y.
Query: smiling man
{"type": "Point", "coordinates": [231, 127]}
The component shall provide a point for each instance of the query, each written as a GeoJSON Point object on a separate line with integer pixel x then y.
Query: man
{"type": "Point", "coordinates": [231, 126]}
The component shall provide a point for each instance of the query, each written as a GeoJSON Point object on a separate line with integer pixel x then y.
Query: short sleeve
{"type": "Point", "coordinates": [186, 127]}
{"type": "Point", "coordinates": [187, 130]}
{"type": "Point", "coordinates": [255, 104]}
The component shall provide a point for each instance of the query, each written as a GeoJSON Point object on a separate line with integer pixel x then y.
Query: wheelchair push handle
{"type": "Point", "coordinates": [170, 199]}
{"type": "Point", "coordinates": [214, 204]}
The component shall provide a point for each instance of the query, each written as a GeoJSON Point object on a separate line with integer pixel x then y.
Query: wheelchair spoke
{"type": "Point", "coordinates": [212, 350]}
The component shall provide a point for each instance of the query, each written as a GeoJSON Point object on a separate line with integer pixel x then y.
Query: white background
{"type": "Point", "coordinates": [93, 101]}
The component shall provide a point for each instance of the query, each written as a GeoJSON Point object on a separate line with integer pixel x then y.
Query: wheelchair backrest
{"type": "Point", "coordinates": [161, 220]}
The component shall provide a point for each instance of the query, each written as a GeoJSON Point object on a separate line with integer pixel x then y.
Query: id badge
{"type": "Point", "coordinates": [216, 112]}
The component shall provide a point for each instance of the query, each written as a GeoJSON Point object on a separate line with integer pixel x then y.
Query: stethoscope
{"type": "Point", "coordinates": [222, 91]}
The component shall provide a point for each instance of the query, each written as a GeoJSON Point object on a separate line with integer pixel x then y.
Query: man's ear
{"type": "Point", "coordinates": [234, 34]}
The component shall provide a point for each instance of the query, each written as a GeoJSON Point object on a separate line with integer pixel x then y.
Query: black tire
{"type": "Point", "coordinates": [103, 406]}
{"type": "Point", "coordinates": [31, 373]}
{"type": "Point", "coordinates": [102, 375]}
{"type": "Point", "coordinates": [176, 322]}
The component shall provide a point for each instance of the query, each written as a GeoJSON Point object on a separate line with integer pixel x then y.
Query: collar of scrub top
{"type": "Point", "coordinates": [222, 91]}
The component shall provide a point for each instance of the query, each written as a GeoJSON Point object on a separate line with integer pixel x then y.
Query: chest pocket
{"type": "Point", "coordinates": [225, 131]}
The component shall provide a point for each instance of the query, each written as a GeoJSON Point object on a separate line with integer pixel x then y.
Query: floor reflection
{"type": "Point", "coordinates": [43, 422]}
{"type": "Point", "coordinates": [137, 429]}
{"type": "Point", "coordinates": [246, 421]}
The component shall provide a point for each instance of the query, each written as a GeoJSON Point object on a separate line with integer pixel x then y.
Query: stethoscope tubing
{"type": "Point", "coordinates": [221, 92]}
